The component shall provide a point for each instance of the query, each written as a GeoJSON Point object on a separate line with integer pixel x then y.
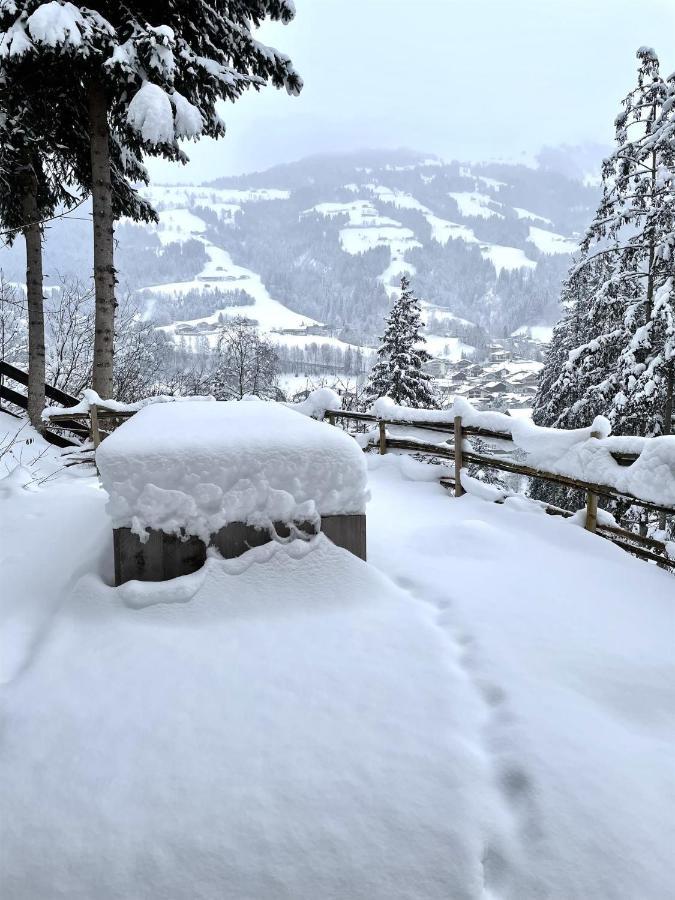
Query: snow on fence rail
{"type": "Point", "coordinates": [640, 471]}
{"type": "Point", "coordinates": [627, 469]}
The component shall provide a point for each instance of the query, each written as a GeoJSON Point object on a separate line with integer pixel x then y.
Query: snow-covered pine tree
{"type": "Point", "coordinates": [398, 372]}
{"type": "Point", "coordinates": [44, 158]}
{"type": "Point", "coordinates": [576, 383]}
{"type": "Point", "coordinates": [31, 188]}
{"type": "Point", "coordinates": [618, 333]}
{"type": "Point", "coordinates": [147, 87]}
{"type": "Point", "coordinates": [643, 228]}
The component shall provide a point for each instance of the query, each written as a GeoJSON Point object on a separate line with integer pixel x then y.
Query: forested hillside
{"type": "Point", "coordinates": [329, 237]}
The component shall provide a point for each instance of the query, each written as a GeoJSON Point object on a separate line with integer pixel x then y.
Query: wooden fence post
{"type": "Point", "coordinates": [592, 502]}
{"type": "Point", "coordinates": [383, 438]}
{"type": "Point", "coordinates": [331, 418]}
{"type": "Point", "coordinates": [95, 433]}
{"type": "Point", "coordinates": [459, 490]}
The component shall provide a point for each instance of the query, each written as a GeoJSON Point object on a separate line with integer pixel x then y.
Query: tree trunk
{"type": "Point", "coordinates": [668, 412]}
{"type": "Point", "coordinates": [649, 306]}
{"type": "Point", "coordinates": [668, 421]}
{"type": "Point", "coordinates": [104, 267]}
{"type": "Point", "coordinates": [35, 299]}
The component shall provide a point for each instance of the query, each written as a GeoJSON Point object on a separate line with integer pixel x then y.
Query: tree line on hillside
{"type": "Point", "coordinates": [85, 93]}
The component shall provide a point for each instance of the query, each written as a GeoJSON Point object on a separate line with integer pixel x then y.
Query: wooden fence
{"type": "Point", "coordinates": [453, 450]}
{"type": "Point", "coordinates": [16, 398]}
{"type": "Point", "coordinates": [100, 420]}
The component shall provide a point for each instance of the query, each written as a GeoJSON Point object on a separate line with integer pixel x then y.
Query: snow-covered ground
{"type": "Point", "coordinates": [368, 229]}
{"type": "Point", "coordinates": [473, 203]}
{"type": "Point", "coordinates": [526, 214]}
{"type": "Point", "coordinates": [550, 242]}
{"type": "Point", "coordinates": [447, 347]}
{"type": "Point", "coordinates": [484, 710]}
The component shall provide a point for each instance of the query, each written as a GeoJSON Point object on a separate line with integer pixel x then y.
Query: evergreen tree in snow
{"type": "Point", "coordinates": [145, 87]}
{"type": "Point", "coordinates": [398, 373]}
{"type": "Point", "coordinates": [44, 159]}
{"type": "Point", "coordinates": [614, 350]}
{"type": "Point", "coordinates": [31, 189]}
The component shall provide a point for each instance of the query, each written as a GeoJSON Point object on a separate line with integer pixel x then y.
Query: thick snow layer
{"type": "Point", "coordinates": [150, 114]}
{"type": "Point", "coordinates": [56, 24]}
{"type": "Point", "coordinates": [488, 716]}
{"type": "Point", "coordinates": [567, 640]}
{"type": "Point", "coordinates": [317, 403]}
{"type": "Point", "coordinates": [283, 725]}
{"type": "Point", "coordinates": [92, 398]}
{"type": "Point", "coordinates": [198, 466]}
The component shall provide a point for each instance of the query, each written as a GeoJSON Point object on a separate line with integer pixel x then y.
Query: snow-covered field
{"type": "Point", "coordinates": [368, 229]}
{"type": "Point", "coordinates": [220, 272]}
{"type": "Point", "coordinates": [484, 710]}
{"type": "Point", "coordinates": [442, 230]}
{"type": "Point", "coordinates": [550, 242]}
{"type": "Point", "coordinates": [472, 203]}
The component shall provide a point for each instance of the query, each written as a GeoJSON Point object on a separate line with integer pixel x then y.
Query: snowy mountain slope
{"type": "Point", "coordinates": [471, 240]}
{"type": "Point", "coordinates": [325, 240]}
{"type": "Point", "coordinates": [447, 720]}
{"type": "Point", "coordinates": [178, 224]}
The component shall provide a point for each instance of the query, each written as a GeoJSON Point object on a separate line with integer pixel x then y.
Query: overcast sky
{"type": "Point", "coordinates": [477, 79]}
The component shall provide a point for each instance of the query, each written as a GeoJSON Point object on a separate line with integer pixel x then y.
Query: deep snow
{"type": "Point", "coordinates": [484, 710]}
{"type": "Point", "coordinates": [195, 467]}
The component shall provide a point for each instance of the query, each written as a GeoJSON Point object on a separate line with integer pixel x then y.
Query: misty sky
{"type": "Point", "coordinates": [478, 79]}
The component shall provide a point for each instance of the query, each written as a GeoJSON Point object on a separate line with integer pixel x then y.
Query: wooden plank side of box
{"type": "Point", "coordinates": [164, 556]}
{"type": "Point", "coordinates": [347, 531]}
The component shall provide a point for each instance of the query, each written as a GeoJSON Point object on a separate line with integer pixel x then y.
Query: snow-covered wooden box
{"type": "Point", "coordinates": [183, 476]}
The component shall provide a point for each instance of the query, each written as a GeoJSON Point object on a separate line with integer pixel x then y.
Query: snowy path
{"type": "Point", "coordinates": [569, 644]}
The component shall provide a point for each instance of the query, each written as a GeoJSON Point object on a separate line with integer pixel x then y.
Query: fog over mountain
{"type": "Point", "coordinates": [464, 80]}
{"type": "Point", "coordinates": [315, 249]}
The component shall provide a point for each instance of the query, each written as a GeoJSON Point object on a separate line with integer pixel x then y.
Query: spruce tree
{"type": "Point", "coordinates": [44, 159]}
{"type": "Point", "coordinates": [147, 87]}
{"type": "Point", "coordinates": [398, 373]}
{"type": "Point", "coordinates": [618, 333]}
{"type": "Point", "coordinates": [32, 186]}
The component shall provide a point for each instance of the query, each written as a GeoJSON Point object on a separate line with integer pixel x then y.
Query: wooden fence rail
{"type": "Point", "coordinates": [101, 420]}
{"type": "Point", "coordinates": [646, 548]}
